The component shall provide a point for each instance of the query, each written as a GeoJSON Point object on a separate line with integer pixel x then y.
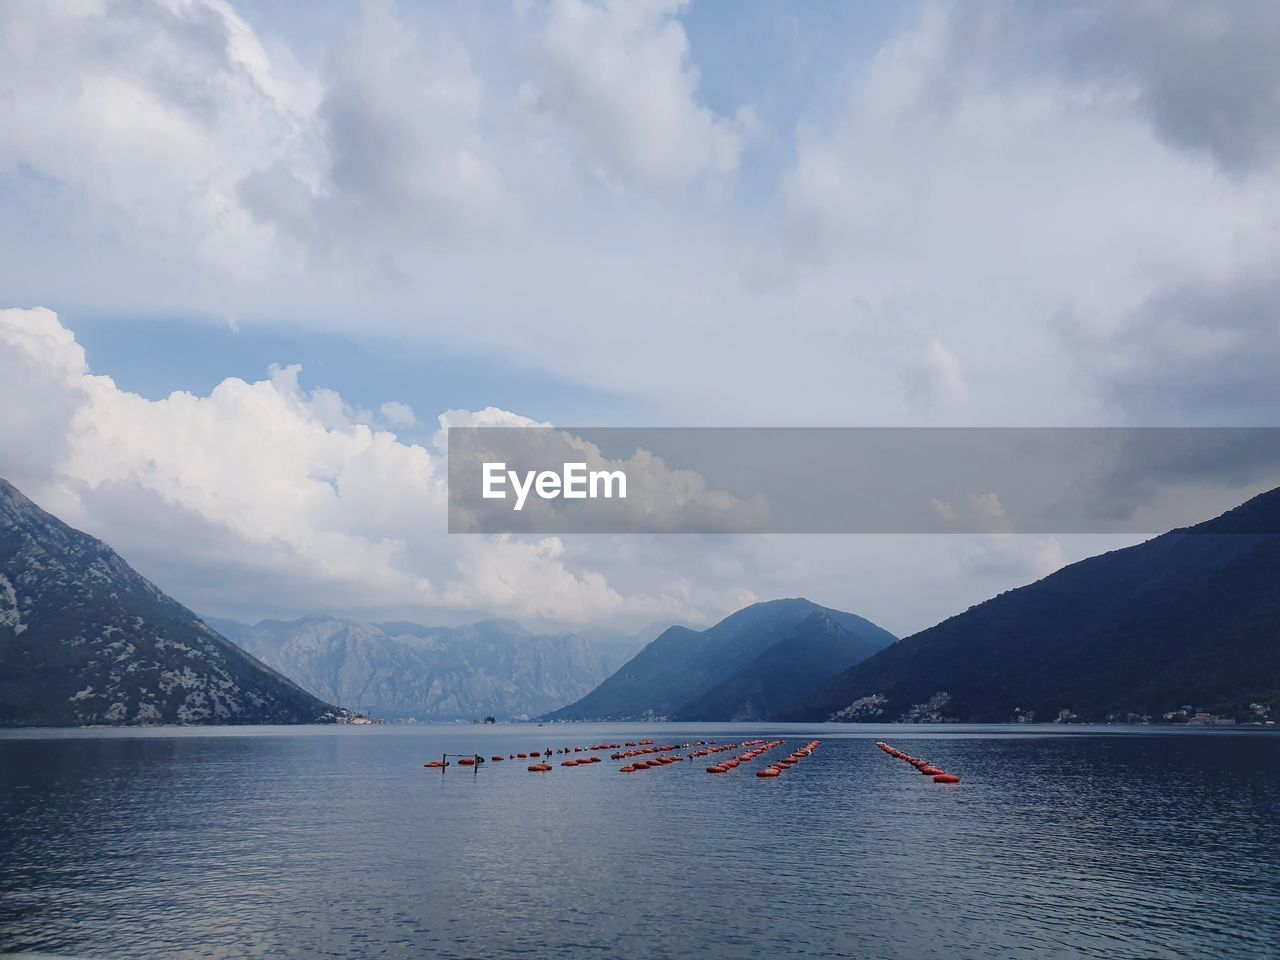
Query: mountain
{"type": "Point", "coordinates": [815, 649]}
{"type": "Point", "coordinates": [85, 639]}
{"type": "Point", "coordinates": [401, 670]}
{"type": "Point", "coordinates": [1191, 617]}
{"type": "Point", "coordinates": [749, 663]}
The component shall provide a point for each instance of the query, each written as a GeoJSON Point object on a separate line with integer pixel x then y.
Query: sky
{"type": "Point", "coordinates": [255, 260]}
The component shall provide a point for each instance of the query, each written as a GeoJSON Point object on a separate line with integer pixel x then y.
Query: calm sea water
{"type": "Point", "coordinates": [324, 842]}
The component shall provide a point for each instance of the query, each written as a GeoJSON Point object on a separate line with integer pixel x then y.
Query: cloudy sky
{"type": "Point", "coordinates": [254, 260]}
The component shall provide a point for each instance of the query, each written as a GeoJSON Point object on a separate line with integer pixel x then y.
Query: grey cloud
{"type": "Point", "coordinates": [275, 194]}
{"type": "Point", "coordinates": [1206, 76]}
{"type": "Point", "coordinates": [182, 53]}
{"type": "Point", "coordinates": [394, 152]}
{"type": "Point", "coordinates": [1201, 352]}
{"type": "Point", "coordinates": [402, 126]}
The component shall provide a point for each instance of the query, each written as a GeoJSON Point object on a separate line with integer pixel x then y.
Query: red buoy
{"type": "Point", "coordinates": [946, 778]}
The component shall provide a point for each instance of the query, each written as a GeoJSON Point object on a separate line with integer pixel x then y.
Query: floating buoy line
{"type": "Point", "coordinates": [924, 766]}
{"type": "Point", "coordinates": [641, 755]}
{"type": "Point", "coordinates": [653, 756]}
{"type": "Point", "coordinates": [475, 760]}
{"type": "Point", "coordinates": [754, 749]}
{"type": "Point", "coordinates": [778, 767]}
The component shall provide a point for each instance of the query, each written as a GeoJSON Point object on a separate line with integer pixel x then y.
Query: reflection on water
{"type": "Point", "coordinates": [329, 842]}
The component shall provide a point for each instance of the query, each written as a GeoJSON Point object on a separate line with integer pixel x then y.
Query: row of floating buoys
{"type": "Point", "coordinates": [523, 755]}
{"type": "Point", "coordinates": [776, 768]}
{"type": "Point", "coordinates": [651, 764]}
{"type": "Point", "coordinates": [654, 756]}
{"type": "Point", "coordinates": [757, 747]}
{"type": "Point", "coordinates": [585, 761]}
{"type": "Point", "coordinates": [721, 748]}
{"type": "Point", "coordinates": [924, 766]}
{"type": "Point", "coordinates": [474, 761]}
{"type": "Point", "coordinates": [641, 751]}
{"type": "Point", "coordinates": [645, 745]}
{"type": "Point", "coordinates": [641, 748]}
{"type": "Point", "coordinates": [656, 761]}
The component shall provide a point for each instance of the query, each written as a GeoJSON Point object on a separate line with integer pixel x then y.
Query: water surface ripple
{"type": "Point", "coordinates": [324, 842]}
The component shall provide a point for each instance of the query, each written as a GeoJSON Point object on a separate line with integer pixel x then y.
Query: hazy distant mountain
{"type": "Point", "coordinates": [1188, 618]}
{"type": "Point", "coordinates": [402, 670]}
{"type": "Point", "coordinates": [749, 664]}
{"type": "Point", "coordinates": [84, 639]}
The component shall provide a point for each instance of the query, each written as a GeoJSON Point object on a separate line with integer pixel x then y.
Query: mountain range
{"type": "Point", "coordinates": [1189, 618]}
{"type": "Point", "coordinates": [406, 671]}
{"type": "Point", "coordinates": [748, 666]}
{"type": "Point", "coordinates": [85, 639]}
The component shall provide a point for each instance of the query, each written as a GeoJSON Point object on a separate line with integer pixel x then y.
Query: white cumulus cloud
{"type": "Point", "coordinates": [265, 497]}
{"type": "Point", "coordinates": [398, 414]}
{"type": "Point", "coordinates": [619, 74]}
{"type": "Point", "coordinates": [153, 112]}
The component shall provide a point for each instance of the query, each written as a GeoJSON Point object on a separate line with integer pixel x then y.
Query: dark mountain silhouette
{"type": "Point", "coordinates": [1191, 617]}
{"type": "Point", "coordinates": [729, 669]}
{"type": "Point", "coordinates": [790, 669]}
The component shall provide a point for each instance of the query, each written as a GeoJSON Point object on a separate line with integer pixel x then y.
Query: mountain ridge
{"type": "Point", "coordinates": [1190, 617]}
{"type": "Point", "coordinates": [85, 639]}
{"type": "Point", "coordinates": [682, 664]}
{"type": "Point", "coordinates": [401, 670]}
{"type": "Point", "coordinates": [783, 672]}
